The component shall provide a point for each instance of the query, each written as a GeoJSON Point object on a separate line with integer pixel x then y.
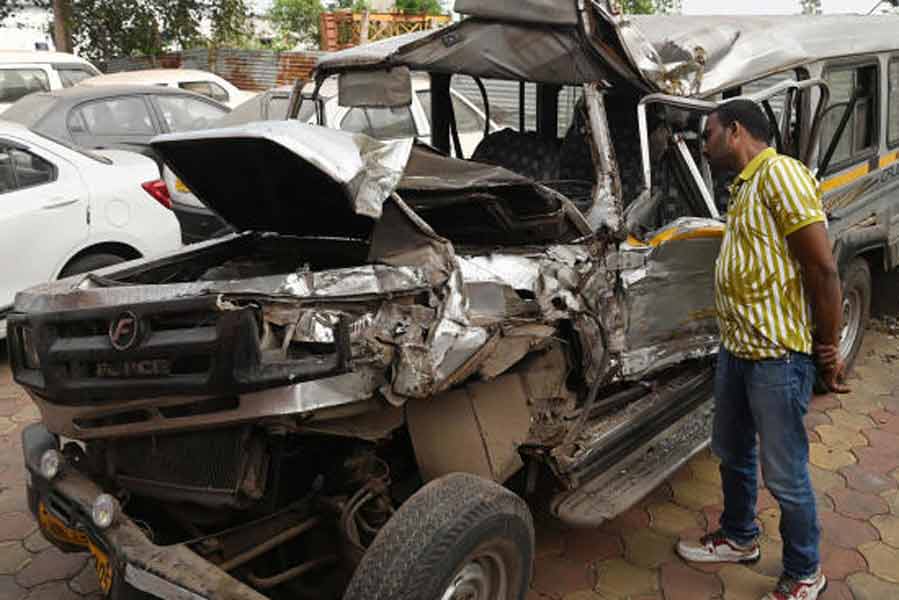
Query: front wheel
{"type": "Point", "coordinates": [856, 309]}
{"type": "Point", "coordinates": [460, 537]}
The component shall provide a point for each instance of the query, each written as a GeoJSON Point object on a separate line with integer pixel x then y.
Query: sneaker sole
{"type": "Point", "coordinates": [739, 561]}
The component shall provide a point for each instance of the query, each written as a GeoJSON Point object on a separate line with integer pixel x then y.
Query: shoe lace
{"type": "Point", "coordinates": [784, 588]}
{"type": "Point", "coordinates": [714, 537]}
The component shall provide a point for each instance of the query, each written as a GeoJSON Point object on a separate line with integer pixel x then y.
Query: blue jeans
{"type": "Point", "coordinates": [768, 398]}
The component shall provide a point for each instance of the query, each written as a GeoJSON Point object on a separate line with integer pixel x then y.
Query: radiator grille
{"type": "Point", "coordinates": [220, 462]}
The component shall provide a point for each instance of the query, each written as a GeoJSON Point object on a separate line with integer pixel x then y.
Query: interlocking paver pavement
{"type": "Point", "coordinates": [855, 471]}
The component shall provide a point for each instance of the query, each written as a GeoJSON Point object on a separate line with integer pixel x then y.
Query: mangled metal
{"type": "Point", "coordinates": [390, 315]}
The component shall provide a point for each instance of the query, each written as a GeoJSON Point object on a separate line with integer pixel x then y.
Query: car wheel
{"type": "Point", "coordinates": [90, 262]}
{"type": "Point", "coordinates": [856, 309]}
{"type": "Point", "coordinates": [459, 537]}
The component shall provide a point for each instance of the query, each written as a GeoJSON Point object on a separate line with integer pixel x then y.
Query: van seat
{"type": "Point", "coordinates": [523, 153]}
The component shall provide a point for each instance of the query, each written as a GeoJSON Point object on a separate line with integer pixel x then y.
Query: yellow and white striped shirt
{"type": "Point", "coordinates": [761, 304]}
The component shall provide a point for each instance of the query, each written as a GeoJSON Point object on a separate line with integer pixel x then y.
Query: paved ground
{"type": "Point", "coordinates": [855, 468]}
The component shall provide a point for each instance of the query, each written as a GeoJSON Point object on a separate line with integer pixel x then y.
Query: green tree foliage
{"type": "Point", "coordinates": [230, 22]}
{"type": "Point", "coordinates": [637, 7]}
{"type": "Point", "coordinates": [354, 5]}
{"type": "Point", "coordinates": [9, 8]}
{"type": "Point", "coordinates": [811, 7]}
{"type": "Point", "coordinates": [102, 29]}
{"type": "Point", "coordinates": [419, 7]}
{"type": "Point", "coordinates": [297, 20]}
{"type": "Point", "coordinates": [648, 7]}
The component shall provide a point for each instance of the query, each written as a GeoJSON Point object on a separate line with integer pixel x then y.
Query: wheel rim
{"type": "Point", "coordinates": [485, 576]}
{"type": "Point", "coordinates": [852, 317]}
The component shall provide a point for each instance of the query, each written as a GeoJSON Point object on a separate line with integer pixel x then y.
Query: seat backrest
{"type": "Point", "coordinates": [523, 153]}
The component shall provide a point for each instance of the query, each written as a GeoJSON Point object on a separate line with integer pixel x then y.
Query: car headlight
{"type": "Point", "coordinates": [104, 510]}
{"type": "Point", "coordinates": [51, 464]}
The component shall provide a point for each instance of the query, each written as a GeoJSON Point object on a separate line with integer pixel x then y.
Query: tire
{"type": "Point", "coordinates": [90, 262]}
{"type": "Point", "coordinates": [457, 533]}
{"type": "Point", "coordinates": [856, 309]}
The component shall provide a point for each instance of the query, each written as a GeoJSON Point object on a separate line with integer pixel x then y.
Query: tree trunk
{"type": "Point", "coordinates": [62, 37]}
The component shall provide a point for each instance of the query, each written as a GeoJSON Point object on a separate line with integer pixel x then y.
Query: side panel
{"type": "Point", "coordinates": [669, 295]}
{"type": "Point", "coordinates": [490, 420]}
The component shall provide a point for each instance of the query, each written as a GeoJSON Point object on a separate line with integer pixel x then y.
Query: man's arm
{"type": "Point", "coordinates": [821, 280]}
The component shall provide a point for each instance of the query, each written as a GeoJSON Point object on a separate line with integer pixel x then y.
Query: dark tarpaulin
{"type": "Point", "coordinates": [502, 50]}
{"type": "Point", "coordinates": [547, 12]}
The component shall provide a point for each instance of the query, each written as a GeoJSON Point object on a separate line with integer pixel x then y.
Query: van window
{"type": "Point", "coordinates": [15, 83]}
{"type": "Point", "coordinates": [860, 134]}
{"type": "Point", "coordinates": [893, 135]}
{"type": "Point", "coordinates": [380, 123]}
{"type": "Point", "coordinates": [467, 119]}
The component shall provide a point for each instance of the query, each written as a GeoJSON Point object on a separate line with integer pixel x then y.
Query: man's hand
{"type": "Point", "coordinates": [832, 367]}
{"type": "Point", "coordinates": [826, 355]}
{"type": "Point", "coordinates": [833, 378]}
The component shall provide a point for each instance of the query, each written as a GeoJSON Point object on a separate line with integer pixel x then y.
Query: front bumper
{"type": "Point", "coordinates": [133, 567]}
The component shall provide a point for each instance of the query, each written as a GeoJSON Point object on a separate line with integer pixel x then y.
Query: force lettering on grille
{"type": "Point", "coordinates": [135, 368]}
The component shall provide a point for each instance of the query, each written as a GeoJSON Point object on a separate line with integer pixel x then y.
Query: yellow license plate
{"type": "Point", "coordinates": [59, 531]}
{"type": "Point", "coordinates": [54, 528]}
{"type": "Point", "coordinates": [179, 185]}
{"type": "Point", "coordinates": [104, 569]}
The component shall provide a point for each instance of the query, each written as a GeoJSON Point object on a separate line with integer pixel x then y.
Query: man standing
{"type": "Point", "coordinates": [778, 298]}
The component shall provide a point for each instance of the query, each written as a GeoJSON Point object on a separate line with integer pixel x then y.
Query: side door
{"type": "Point", "coordinates": [43, 214]}
{"type": "Point", "coordinates": [123, 122]}
{"type": "Point", "coordinates": [858, 167]}
{"type": "Point", "coordinates": [667, 264]}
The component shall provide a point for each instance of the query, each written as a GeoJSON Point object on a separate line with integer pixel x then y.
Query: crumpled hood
{"type": "Point", "coordinates": [288, 177]}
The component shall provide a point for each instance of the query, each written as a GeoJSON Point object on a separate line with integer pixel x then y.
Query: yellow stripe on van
{"type": "Point", "coordinates": [671, 235]}
{"type": "Point", "coordinates": [887, 159]}
{"type": "Point", "coordinates": [845, 178]}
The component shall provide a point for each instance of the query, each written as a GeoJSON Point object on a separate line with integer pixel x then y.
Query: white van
{"type": "Point", "coordinates": [26, 71]}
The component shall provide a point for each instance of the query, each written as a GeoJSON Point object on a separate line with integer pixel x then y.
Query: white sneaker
{"type": "Point", "coordinates": [715, 547]}
{"type": "Point", "coordinates": [801, 589]}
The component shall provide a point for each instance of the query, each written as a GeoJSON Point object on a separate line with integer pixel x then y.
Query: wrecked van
{"type": "Point", "coordinates": [340, 400]}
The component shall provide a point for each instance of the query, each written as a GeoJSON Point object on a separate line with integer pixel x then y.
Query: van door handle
{"type": "Point", "coordinates": [58, 201]}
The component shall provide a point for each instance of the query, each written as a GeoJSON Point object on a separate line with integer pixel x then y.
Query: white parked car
{"type": "Point", "coordinates": [26, 71]}
{"type": "Point", "coordinates": [192, 80]}
{"type": "Point", "coordinates": [380, 123]}
{"type": "Point", "coordinates": [65, 211]}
